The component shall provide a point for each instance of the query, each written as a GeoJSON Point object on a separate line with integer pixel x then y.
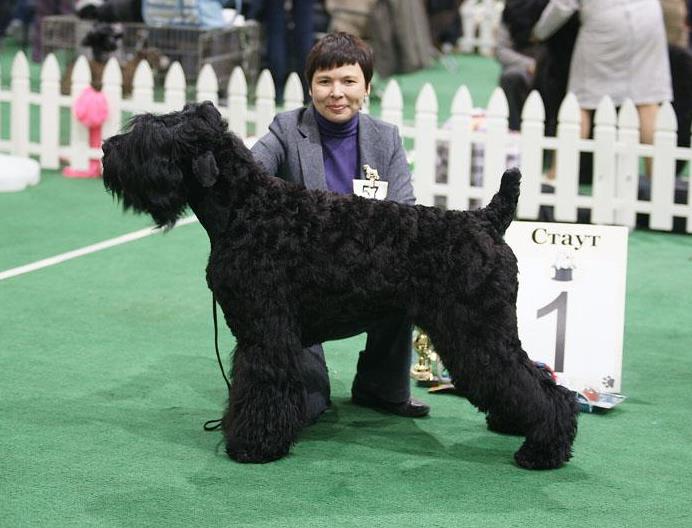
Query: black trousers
{"type": "Point", "coordinates": [516, 83]}
{"type": "Point", "coordinates": [382, 371]}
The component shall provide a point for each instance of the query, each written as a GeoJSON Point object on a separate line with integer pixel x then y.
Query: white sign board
{"type": "Point", "coordinates": [571, 304]}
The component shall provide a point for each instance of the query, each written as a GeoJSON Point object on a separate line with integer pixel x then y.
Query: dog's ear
{"type": "Point", "coordinates": [203, 121]}
{"type": "Point", "coordinates": [205, 170]}
{"type": "Point", "coordinates": [207, 111]}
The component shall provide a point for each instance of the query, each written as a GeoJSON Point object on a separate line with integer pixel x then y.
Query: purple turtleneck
{"type": "Point", "coordinates": [339, 152]}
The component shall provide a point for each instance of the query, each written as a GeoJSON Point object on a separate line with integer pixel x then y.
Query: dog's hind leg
{"type": "Point", "coordinates": [552, 422]}
{"type": "Point", "coordinates": [266, 408]}
{"type": "Point", "coordinates": [496, 375]}
{"type": "Point", "coordinates": [528, 402]}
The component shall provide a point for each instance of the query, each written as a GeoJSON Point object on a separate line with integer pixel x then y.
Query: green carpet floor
{"type": "Point", "coordinates": [107, 372]}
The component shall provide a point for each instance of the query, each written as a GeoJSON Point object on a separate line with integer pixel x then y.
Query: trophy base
{"type": "Point", "coordinates": [444, 388]}
{"type": "Point", "coordinates": [428, 383]}
{"type": "Point", "coordinates": [436, 384]}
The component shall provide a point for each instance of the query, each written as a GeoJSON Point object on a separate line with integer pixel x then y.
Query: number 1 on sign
{"type": "Point", "coordinates": [558, 304]}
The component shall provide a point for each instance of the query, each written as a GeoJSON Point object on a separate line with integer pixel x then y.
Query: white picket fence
{"type": "Point", "coordinates": [479, 19]}
{"type": "Point", "coordinates": [615, 147]}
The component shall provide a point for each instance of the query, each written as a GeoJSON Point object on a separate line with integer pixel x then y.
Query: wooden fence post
{"type": "Point", "coordinates": [79, 134]}
{"type": "Point", "coordinates": [50, 113]}
{"type": "Point", "coordinates": [604, 157]}
{"type": "Point", "coordinates": [293, 92]}
{"type": "Point", "coordinates": [175, 88]}
{"type": "Point", "coordinates": [425, 145]}
{"type": "Point", "coordinates": [2, 99]}
{"type": "Point", "coordinates": [531, 145]}
{"type": "Point", "coordinates": [495, 145]}
{"type": "Point", "coordinates": [265, 103]}
{"type": "Point", "coordinates": [392, 105]}
{"type": "Point", "coordinates": [207, 85]}
{"type": "Point", "coordinates": [143, 88]}
{"type": "Point", "coordinates": [663, 177]}
{"type": "Point", "coordinates": [567, 167]}
{"type": "Point", "coordinates": [627, 182]}
{"type": "Point", "coordinates": [237, 103]}
{"type": "Point", "coordinates": [112, 88]}
{"type": "Point", "coordinates": [20, 87]}
{"type": "Point", "coordinates": [459, 161]}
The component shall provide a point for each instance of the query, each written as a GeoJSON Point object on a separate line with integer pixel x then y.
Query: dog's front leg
{"type": "Point", "coordinates": [266, 407]}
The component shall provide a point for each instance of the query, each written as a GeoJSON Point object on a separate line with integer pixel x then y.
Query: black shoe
{"type": "Point", "coordinates": [410, 408]}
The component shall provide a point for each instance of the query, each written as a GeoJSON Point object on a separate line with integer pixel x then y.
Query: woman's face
{"type": "Point", "coordinates": [338, 94]}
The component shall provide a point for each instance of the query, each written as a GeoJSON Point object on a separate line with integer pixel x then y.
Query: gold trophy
{"type": "Point", "coordinates": [422, 370]}
{"type": "Point", "coordinates": [429, 370]}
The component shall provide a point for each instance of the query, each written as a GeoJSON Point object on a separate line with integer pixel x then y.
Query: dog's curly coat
{"type": "Point", "coordinates": [292, 267]}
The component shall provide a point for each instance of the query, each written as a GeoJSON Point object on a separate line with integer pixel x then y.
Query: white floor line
{"type": "Point", "coordinates": [57, 259]}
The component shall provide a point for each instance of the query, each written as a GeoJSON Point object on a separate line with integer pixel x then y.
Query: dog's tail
{"type": "Point", "coordinates": [500, 211]}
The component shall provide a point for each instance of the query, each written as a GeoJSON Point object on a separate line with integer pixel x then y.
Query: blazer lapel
{"type": "Point", "coordinates": [369, 148]}
{"type": "Point", "coordinates": [310, 152]}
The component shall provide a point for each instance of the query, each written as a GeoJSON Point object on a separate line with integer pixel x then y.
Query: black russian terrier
{"type": "Point", "coordinates": [292, 267]}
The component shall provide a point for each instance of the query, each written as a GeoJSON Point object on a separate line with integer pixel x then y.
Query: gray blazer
{"type": "Point", "coordinates": [292, 150]}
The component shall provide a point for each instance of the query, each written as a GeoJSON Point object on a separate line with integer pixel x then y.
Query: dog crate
{"type": "Point", "coordinates": [223, 48]}
{"type": "Point", "coordinates": [62, 35]}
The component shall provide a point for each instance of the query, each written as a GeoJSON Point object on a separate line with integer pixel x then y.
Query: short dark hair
{"type": "Point", "coordinates": [338, 49]}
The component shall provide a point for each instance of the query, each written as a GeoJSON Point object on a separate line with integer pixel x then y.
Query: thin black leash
{"type": "Point", "coordinates": [213, 425]}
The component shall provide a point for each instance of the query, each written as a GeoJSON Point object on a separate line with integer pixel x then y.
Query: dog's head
{"type": "Point", "coordinates": [152, 166]}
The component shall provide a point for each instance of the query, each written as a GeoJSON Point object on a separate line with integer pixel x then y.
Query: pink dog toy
{"type": "Point", "coordinates": [90, 109]}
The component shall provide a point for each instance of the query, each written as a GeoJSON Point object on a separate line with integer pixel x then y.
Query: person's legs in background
{"type": "Point", "coordinates": [585, 129]}
{"type": "Point", "coordinates": [675, 17]}
{"type": "Point", "coordinates": [316, 379]}
{"type": "Point", "coordinates": [647, 127]}
{"type": "Point", "coordinates": [274, 21]}
{"type": "Point", "coordinates": [284, 56]}
{"type": "Point", "coordinates": [647, 122]}
{"type": "Point", "coordinates": [383, 373]}
{"type": "Point", "coordinates": [383, 367]}
{"type": "Point", "coordinates": [23, 17]}
{"type": "Point", "coordinates": [6, 16]}
{"type": "Point", "coordinates": [45, 8]}
{"type": "Point", "coordinates": [303, 36]}
{"type": "Point", "coordinates": [689, 21]}
{"type": "Point", "coordinates": [516, 84]}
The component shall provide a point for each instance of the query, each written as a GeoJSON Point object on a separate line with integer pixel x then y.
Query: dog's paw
{"type": "Point", "coordinates": [247, 454]}
{"type": "Point", "coordinates": [534, 456]}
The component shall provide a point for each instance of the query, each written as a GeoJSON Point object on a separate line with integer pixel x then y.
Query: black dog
{"type": "Point", "coordinates": [292, 267]}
